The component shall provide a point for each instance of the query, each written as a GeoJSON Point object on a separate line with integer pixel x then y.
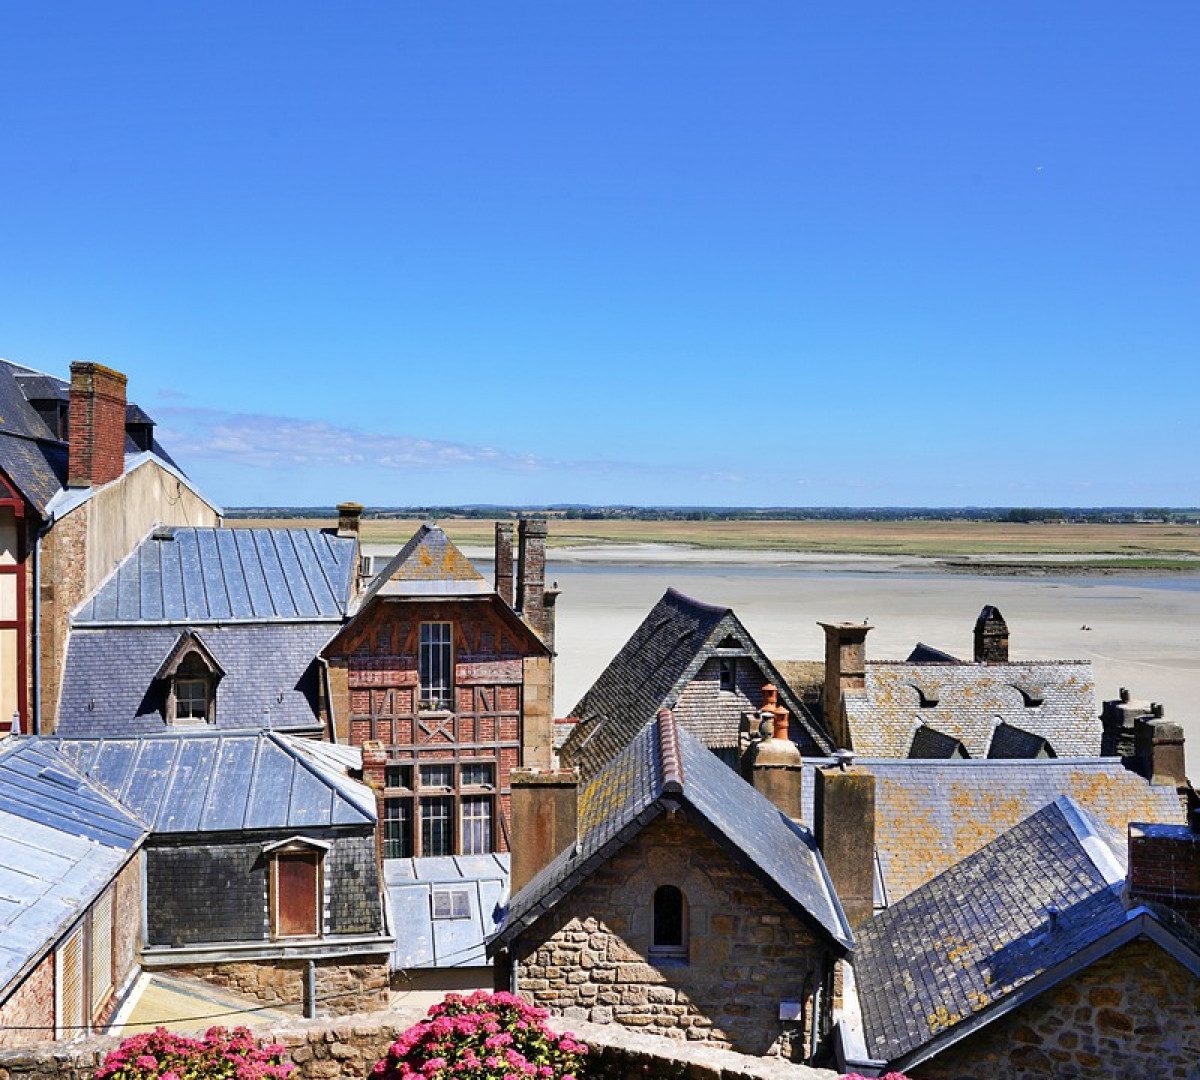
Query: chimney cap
{"type": "Point", "coordinates": [843, 758]}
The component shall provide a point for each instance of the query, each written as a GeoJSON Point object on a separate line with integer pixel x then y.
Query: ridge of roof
{"type": "Point", "coordinates": [669, 762]}
{"type": "Point", "coordinates": [692, 602]}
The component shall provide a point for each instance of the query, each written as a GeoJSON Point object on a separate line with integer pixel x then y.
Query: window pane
{"type": "Point", "coordinates": [476, 825]}
{"type": "Point", "coordinates": [191, 699]}
{"type": "Point", "coordinates": [478, 775]}
{"type": "Point", "coordinates": [436, 665]}
{"type": "Point", "coordinates": [397, 776]}
{"type": "Point", "coordinates": [668, 917]}
{"type": "Point", "coordinates": [397, 829]}
{"type": "Point", "coordinates": [436, 837]}
{"type": "Point", "coordinates": [437, 776]}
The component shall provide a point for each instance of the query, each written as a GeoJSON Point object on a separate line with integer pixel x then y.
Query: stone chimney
{"type": "Point", "coordinates": [991, 637]}
{"type": "Point", "coordinates": [536, 602]}
{"type": "Point", "coordinates": [1164, 867]}
{"type": "Point", "coordinates": [504, 561]}
{"type": "Point", "coordinates": [774, 767]}
{"type": "Point", "coordinates": [349, 518]}
{"type": "Point", "coordinates": [845, 832]}
{"type": "Point", "coordinates": [96, 430]}
{"type": "Point", "coordinates": [543, 808]}
{"type": "Point", "coordinates": [845, 673]}
{"type": "Point", "coordinates": [1158, 749]}
{"type": "Point", "coordinates": [1118, 719]}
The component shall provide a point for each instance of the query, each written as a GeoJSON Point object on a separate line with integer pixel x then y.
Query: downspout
{"type": "Point", "coordinates": [514, 971]}
{"type": "Point", "coordinates": [36, 636]}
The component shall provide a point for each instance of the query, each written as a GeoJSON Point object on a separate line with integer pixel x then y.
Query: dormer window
{"type": "Point", "coordinates": [190, 674]}
{"type": "Point", "coordinates": [728, 673]}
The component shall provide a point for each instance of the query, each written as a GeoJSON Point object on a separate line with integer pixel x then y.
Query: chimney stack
{"type": "Point", "coordinates": [535, 600]}
{"type": "Point", "coordinates": [1164, 868]}
{"type": "Point", "coordinates": [504, 562]}
{"type": "Point", "coordinates": [991, 637]}
{"type": "Point", "coordinates": [845, 673]}
{"type": "Point", "coordinates": [374, 775]}
{"type": "Point", "coordinates": [96, 430]}
{"type": "Point", "coordinates": [349, 518]}
{"type": "Point", "coordinates": [774, 767]}
{"type": "Point", "coordinates": [543, 806]}
{"type": "Point", "coordinates": [1158, 749]}
{"type": "Point", "coordinates": [845, 832]}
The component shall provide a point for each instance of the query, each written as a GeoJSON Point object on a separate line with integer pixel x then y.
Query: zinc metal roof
{"type": "Point", "coordinates": [213, 782]}
{"type": "Point", "coordinates": [425, 942]}
{"type": "Point", "coordinates": [62, 840]}
{"type": "Point", "coordinates": [216, 575]}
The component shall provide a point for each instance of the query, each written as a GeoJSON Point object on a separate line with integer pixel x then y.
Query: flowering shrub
{"type": "Point", "coordinates": [482, 1037]}
{"type": "Point", "coordinates": [219, 1055]}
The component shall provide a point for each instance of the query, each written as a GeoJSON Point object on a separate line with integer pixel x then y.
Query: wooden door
{"type": "Point", "coordinates": [297, 894]}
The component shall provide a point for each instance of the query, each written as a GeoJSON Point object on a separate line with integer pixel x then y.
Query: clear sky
{"type": "Point", "coordinates": [739, 253]}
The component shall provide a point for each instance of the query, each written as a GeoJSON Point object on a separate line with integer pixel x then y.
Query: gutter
{"type": "Point", "coordinates": [849, 1037]}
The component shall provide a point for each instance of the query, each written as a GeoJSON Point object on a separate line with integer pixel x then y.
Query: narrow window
{"type": "Point", "coordinates": [397, 776]}
{"type": "Point", "coordinates": [193, 690]}
{"type": "Point", "coordinates": [670, 937]}
{"type": "Point", "coordinates": [728, 673]}
{"type": "Point", "coordinates": [476, 825]}
{"type": "Point", "coordinates": [297, 878]}
{"type": "Point", "coordinates": [397, 829]}
{"type": "Point", "coordinates": [437, 837]}
{"type": "Point", "coordinates": [436, 665]}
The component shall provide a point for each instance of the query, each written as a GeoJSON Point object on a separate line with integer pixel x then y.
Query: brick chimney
{"type": "Point", "coordinates": [96, 431]}
{"type": "Point", "coordinates": [991, 637]}
{"type": "Point", "coordinates": [1159, 749]}
{"type": "Point", "coordinates": [504, 561]}
{"type": "Point", "coordinates": [349, 518]}
{"type": "Point", "coordinates": [845, 673]}
{"type": "Point", "coordinates": [543, 807]}
{"type": "Point", "coordinates": [1164, 868]}
{"type": "Point", "coordinates": [374, 774]}
{"type": "Point", "coordinates": [773, 765]}
{"type": "Point", "coordinates": [845, 832]}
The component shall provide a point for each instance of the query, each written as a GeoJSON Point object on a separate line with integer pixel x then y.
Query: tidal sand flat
{"type": "Point", "coordinates": [1144, 632]}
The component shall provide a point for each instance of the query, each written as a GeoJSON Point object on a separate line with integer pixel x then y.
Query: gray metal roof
{"type": "Point", "coordinates": [664, 765]}
{"type": "Point", "coordinates": [212, 782]}
{"type": "Point", "coordinates": [271, 678]}
{"type": "Point", "coordinates": [981, 930]}
{"type": "Point", "coordinates": [425, 942]}
{"type": "Point", "coordinates": [62, 840]}
{"type": "Point", "coordinates": [195, 576]}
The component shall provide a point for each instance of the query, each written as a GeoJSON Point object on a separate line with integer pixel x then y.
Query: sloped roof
{"type": "Point", "coordinates": [195, 576]}
{"type": "Point", "coordinates": [650, 670]}
{"type": "Point", "coordinates": [929, 815]}
{"type": "Point", "coordinates": [214, 782]}
{"type": "Point", "coordinates": [662, 767]}
{"type": "Point", "coordinates": [428, 565]}
{"type": "Point", "coordinates": [271, 678]}
{"type": "Point", "coordinates": [62, 840]}
{"type": "Point", "coordinates": [1052, 698]}
{"type": "Point", "coordinates": [982, 931]}
{"type": "Point", "coordinates": [928, 742]}
{"type": "Point", "coordinates": [425, 942]}
{"type": "Point", "coordinates": [1009, 741]}
{"type": "Point", "coordinates": [927, 654]}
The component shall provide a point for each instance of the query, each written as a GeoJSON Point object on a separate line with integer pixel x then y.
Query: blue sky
{"type": "Point", "coordinates": [740, 253]}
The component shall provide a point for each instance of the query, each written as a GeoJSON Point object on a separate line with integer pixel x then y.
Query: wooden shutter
{"type": "Point", "coordinates": [297, 884]}
{"type": "Point", "coordinates": [70, 986]}
{"type": "Point", "coordinates": [102, 935]}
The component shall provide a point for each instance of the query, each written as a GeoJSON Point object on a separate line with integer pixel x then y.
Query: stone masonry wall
{"type": "Point", "coordinates": [344, 984]}
{"type": "Point", "coordinates": [1134, 1015]}
{"type": "Point", "coordinates": [31, 1005]}
{"type": "Point", "coordinates": [587, 959]}
{"type": "Point", "coordinates": [350, 1046]}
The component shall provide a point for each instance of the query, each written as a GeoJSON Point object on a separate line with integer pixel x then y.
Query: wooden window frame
{"type": "Point", "coordinates": [727, 664]}
{"type": "Point", "coordinates": [275, 854]}
{"type": "Point", "coordinates": [672, 953]}
{"type": "Point", "coordinates": [209, 677]}
{"type": "Point", "coordinates": [426, 704]}
{"type": "Point", "coordinates": [97, 1004]}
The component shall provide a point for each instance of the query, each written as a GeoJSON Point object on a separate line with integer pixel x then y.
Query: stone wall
{"type": "Point", "coordinates": [747, 953]}
{"type": "Point", "coordinates": [344, 984]}
{"type": "Point", "coordinates": [1134, 1015]}
{"type": "Point", "coordinates": [350, 1046]}
{"type": "Point", "coordinates": [31, 1005]}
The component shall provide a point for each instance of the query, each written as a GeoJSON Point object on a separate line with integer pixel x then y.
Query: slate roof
{"type": "Point", "coordinates": [428, 565]}
{"type": "Point", "coordinates": [1053, 698]}
{"type": "Point", "coordinates": [664, 766]}
{"type": "Point", "coordinates": [930, 743]}
{"type": "Point", "coordinates": [214, 782]}
{"type": "Point", "coordinates": [195, 576]}
{"type": "Point", "coordinates": [425, 942]}
{"type": "Point", "coordinates": [271, 679]}
{"type": "Point", "coordinates": [652, 669]}
{"type": "Point", "coordinates": [62, 840]}
{"type": "Point", "coordinates": [929, 815]}
{"type": "Point", "coordinates": [979, 932]}
{"type": "Point", "coordinates": [927, 654]}
{"type": "Point", "coordinates": [1009, 741]}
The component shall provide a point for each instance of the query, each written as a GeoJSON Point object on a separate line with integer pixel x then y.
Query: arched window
{"type": "Point", "coordinates": [669, 938]}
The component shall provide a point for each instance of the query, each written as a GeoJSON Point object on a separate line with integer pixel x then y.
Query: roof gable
{"type": "Point", "coordinates": [428, 565]}
{"type": "Point", "coordinates": [663, 767]}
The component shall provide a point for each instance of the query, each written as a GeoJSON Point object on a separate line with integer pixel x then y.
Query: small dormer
{"type": "Point", "coordinates": [139, 428]}
{"type": "Point", "coordinates": [1032, 695]}
{"type": "Point", "coordinates": [189, 676]}
{"type": "Point", "coordinates": [928, 693]}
